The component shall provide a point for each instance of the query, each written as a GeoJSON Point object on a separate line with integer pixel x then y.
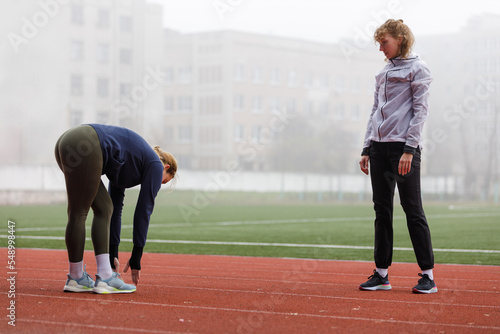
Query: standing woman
{"type": "Point", "coordinates": [391, 152]}
{"type": "Point", "coordinates": [84, 154]}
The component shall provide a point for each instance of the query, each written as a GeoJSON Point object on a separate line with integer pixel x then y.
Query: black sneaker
{"type": "Point", "coordinates": [376, 282]}
{"type": "Point", "coordinates": [425, 285]}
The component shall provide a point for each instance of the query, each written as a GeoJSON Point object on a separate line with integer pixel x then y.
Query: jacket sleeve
{"type": "Point", "coordinates": [117, 195]}
{"type": "Point", "coordinates": [420, 90]}
{"type": "Point", "coordinates": [150, 185]}
{"type": "Point", "coordinates": [369, 127]}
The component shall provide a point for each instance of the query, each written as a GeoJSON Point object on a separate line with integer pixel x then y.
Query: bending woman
{"type": "Point", "coordinates": [84, 154]}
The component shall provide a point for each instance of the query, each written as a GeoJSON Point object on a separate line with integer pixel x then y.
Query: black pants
{"type": "Point", "coordinates": [384, 161]}
{"type": "Point", "coordinates": [79, 155]}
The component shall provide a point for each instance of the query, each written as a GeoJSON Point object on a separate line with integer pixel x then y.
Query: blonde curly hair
{"type": "Point", "coordinates": [396, 28]}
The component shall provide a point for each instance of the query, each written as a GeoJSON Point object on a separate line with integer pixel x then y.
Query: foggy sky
{"type": "Point", "coordinates": [320, 20]}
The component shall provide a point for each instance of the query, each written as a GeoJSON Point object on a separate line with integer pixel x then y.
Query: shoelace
{"type": "Point", "coordinates": [373, 276]}
{"type": "Point", "coordinates": [425, 278]}
{"type": "Point", "coordinates": [85, 273]}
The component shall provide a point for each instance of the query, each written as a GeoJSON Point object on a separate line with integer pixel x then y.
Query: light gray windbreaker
{"type": "Point", "coordinates": [400, 103]}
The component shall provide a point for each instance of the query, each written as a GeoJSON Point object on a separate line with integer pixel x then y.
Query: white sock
{"type": "Point", "coordinates": [103, 266]}
{"type": "Point", "coordinates": [382, 272]}
{"type": "Point", "coordinates": [76, 269]}
{"type": "Point", "coordinates": [429, 273]}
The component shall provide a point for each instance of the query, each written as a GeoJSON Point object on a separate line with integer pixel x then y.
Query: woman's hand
{"type": "Point", "coordinates": [117, 265]}
{"type": "Point", "coordinates": [405, 163]}
{"type": "Point", "coordinates": [363, 163]}
{"type": "Point", "coordinates": [135, 273]}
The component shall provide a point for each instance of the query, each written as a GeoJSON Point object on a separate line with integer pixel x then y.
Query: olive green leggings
{"type": "Point", "coordinates": [78, 154]}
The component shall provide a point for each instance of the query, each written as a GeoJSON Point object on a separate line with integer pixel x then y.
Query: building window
{"type": "Point", "coordinates": [340, 84]}
{"type": "Point", "coordinates": [256, 129]}
{"type": "Point", "coordinates": [292, 78]}
{"type": "Point", "coordinates": [185, 75]}
{"type": "Point", "coordinates": [77, 14]}
{"type": "Point", "coordinates": [370, 86]}
{"type": "Point", "coordinates": [274, 105]}
{"type": "Point", "coordinates": [340, 111]}
{"type": "Point", "coordinates": [125, 56]}
{"type": "Point", "coordinates": [324, 81]}
{"type": "Point", "coordinates": [184, 133]}
{"type": "Point", "coordinates": [355, 85]}
{"type": "Point", "coordinates": [76, 85]}
{"type": "Point", "coordinates": [210, 75]}
{"type": "Point", "coordinates": [126, 24]}
{"type": "Point", "coordinates": [239, 72]}
{"type": "Point", "coordinates": [290, 106]}
{"type": "Point", "coordinates": [125, 89]}
{"type": "Point", "coordinates": [239, 103]}
{"type": "Point", "coordinates": [210, 135]}
{"type": "Point", "coordinates": [168, 76]}
{"type": "Point", "coordinates": [308, 108]}
{"type": "Point", "coordinates": [210, 105]}
{"type": "Point", "coordinates": [75, 118]}
{"type": "Point", "coordinates": [77, 50]}
{"type": "Point", "coordinates": [102, 87]}
{"type": "Point", "coordinates": [103, 18]}
{"type": "Point", "coordinates": [168, 133]}
{"type": "Point", "coordinates": [309, 80]}
{"type": "Point", "coordinates": [275, 76]}
{"type": "Point", "coordinates": [239, 133]}
{"type": "Point", "coordinates": [103, 117]}
{"type": "Point", "coordinates": [185, 104]}
{"type": "Point", "coordinates": [355, 112]}
{"type": "Point", "coordinates": [257, 105]}
{"type": "Point", "coordinates": [184, 161]}
{"type": "Point", "coordinates": [324, 109]}
{"type": "Point", "coordinates": [103, 53]}
{"type": "Point", "coordinates": [168, 104]}
{"type": "Point", "coordinates": [257, 75]}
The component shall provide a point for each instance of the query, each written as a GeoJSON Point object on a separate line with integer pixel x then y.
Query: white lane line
{"type": "Point", "coordinates": [327, 297]}
{"type": "Point", "coordinates": [225, 309]}
{"type": "Point", "coordinates": [267, 244]}
{"type": "Point", "coordinates": [93, 326]}
{"type": "Point", "coordinates": [275, 221]}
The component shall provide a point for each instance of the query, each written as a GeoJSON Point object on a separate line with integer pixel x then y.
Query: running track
{"type": "Point", "coordinates": [228, 294]}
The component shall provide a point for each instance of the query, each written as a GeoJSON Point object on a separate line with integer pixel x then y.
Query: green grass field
{"type": "Point", "coordinates": [252, 224]}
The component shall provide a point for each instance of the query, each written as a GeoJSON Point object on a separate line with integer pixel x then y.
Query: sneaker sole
{"type": "Point", "coordinates": [378, 287]}
{"type": "Point", "coordinates": [107, 291]}
{"type": "Point", "coordinates": [433, 290]}
{"type": "Point", "coordinates": [68, 288]}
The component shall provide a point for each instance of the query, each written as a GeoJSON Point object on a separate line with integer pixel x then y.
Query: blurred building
{"type": "Point", "coordinates": [463, 131]}
{"type": "Point", "coordinates": [73, 62]}
{"type": "Point", "coordinates": [232, 99]}
{"type": "Point", "coordinates": [217, 100]}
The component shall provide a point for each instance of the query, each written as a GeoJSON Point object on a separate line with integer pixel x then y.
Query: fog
{"type": "Point", "coordinates": [247, 94]}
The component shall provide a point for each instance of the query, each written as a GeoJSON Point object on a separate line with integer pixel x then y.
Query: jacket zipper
{"type": "Point", "coordinates": [382, 108]}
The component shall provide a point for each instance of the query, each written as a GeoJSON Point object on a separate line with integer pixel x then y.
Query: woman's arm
{"type": "Point", "coordinates": [150, 185]}
{"type": "Point", "coordinates": [117, 195]}
{"type": "Point", "coordinates": [420, 85]}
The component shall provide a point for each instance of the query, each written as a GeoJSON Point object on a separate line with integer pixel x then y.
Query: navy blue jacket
{"type": "Point", "coordinates": [128, 161]}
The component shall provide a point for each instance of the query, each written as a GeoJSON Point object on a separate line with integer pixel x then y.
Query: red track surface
{"type": "Point", "coordinates": [227, 294]}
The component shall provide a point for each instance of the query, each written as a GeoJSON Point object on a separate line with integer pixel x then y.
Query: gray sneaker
{"type": "Point", "coordinates": [376, 282]}
{"type": "Point", "coordinates": [83, 284]}
{"type": "Point", "coordinates": [114, 284]}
